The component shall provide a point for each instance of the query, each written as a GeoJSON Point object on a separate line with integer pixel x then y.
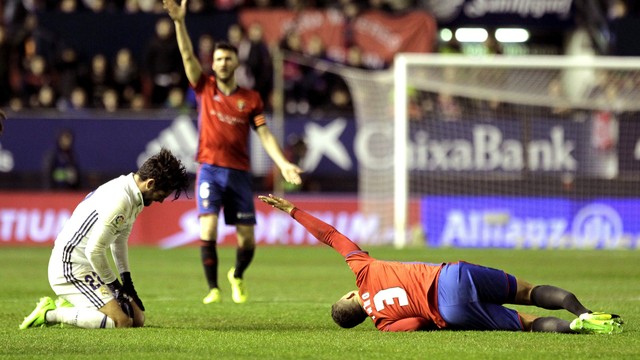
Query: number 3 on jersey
{"type": "Point", "coordinates": [384, 298]}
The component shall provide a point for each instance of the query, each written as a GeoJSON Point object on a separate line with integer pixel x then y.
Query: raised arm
{"type": "Point", "coordinates": [318, 228]}
{"type": "Point", "coordinates": [192, 66]}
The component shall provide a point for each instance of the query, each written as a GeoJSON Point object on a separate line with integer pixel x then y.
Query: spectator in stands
{"type": "Point", "coordinates": [205, 52]}
{"type": "Point", "coordinates": [36, 75]}
{"type": "Point", "coordinates": [131, 7]}
{"type": "Point", "coordinates": [202, 6]}
{"type": "Point", "coordinates": [62, 171]}
{"type": "Point", "coordinates": [16, 104]}
{"type": "Point", "coordinates": [354, 57]}
{"type": "Point", "coordinates": [163, 64]}
{"type": "Point", "coordinates": [45, 99]}
{"type": "Point", "coordinates": [560, 105]}
{"type": "Point", "coordinates": [137, 103]}
{"type": "Point", "coordinates": [176, 101]}
{"type": "Point", "coordinates": [33, 39]}
{"type": "Point", "coordinates": [316, 80]}
{"type": "Point", "coordinates": [150, 6]}
{"type": "Point", "coordinates": [237, 38]}
{"type": "Point", "coordinates": [5, 66]}
{"type": "Point", "coordinates": [96, 6]}
{"type": "Point", "coordinates": [16, 11]}
{"type": "Point", "coordinates": [110, 100]}
{"type": "Point", "coordinates": [295, 95]}
{"type": "Point", "coordinates": [258, 63]}
{"type": "Point", "coordinates": [126, 78]}
{"type": "Point", "coordinates": [100, 79]}
{"type": "Point", "coordinates": [77, 100]}
{"type": "Point", "coordinates": [69, 72]}
{"type": "Point", "coordinates": [617, 9]}
{"type": "Point", "coordinates": [341, 98]}
{"type": "Point", "coordinates": [448, 107]}
{"type": "Point", "coordinates": [350, 11]}
{"type": "Point", "coordinates": [69, 6]}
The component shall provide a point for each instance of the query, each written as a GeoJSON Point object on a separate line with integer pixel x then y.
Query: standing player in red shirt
{"type": "Point", "coordinates": [401, 296]}
{"type": "Point", "coordinates": [227, 112]}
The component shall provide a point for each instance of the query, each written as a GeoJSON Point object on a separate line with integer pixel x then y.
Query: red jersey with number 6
{"type": "Point", "coordinates": [224, 122]}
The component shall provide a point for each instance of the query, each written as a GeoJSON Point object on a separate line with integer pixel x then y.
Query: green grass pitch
{"type": "Point", "coordinates": [287, 316]}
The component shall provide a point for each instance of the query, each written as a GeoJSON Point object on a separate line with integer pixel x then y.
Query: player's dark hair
{"type": "Point", "coordinates": [347, 314]}
{"type": "Point", "coordinates": [167, 171]}
{"type": "Point", "coordinates": [223, 45]}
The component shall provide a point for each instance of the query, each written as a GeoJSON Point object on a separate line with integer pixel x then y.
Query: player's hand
{"type": "Point", "coordinates": [176, 13]}
{"type": "Point", "coordinates": [121, 297]}
{"type": "Point", "coordinates": [129, 289]}
{"type": "Point", "coordinates": [278, 203]}
{"type": "Point", "coordinates": [291, 173]}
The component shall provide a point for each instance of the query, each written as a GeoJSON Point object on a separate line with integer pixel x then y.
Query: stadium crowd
{"type": "Point", "coordinates": [38, 71]}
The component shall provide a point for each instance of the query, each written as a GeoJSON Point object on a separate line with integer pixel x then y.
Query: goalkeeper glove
{"type": "Point", "coordinates": [129, 289]}
{"type": "Point", "coordinates": [121, 297]}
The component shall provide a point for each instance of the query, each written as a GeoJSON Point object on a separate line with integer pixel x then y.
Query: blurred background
{"type": "Point", "coordinates": [93, 87]}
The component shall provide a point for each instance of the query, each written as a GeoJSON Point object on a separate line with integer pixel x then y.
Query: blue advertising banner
{"type": "Point", "coordinates": [522, 222]}
{"type": "Point", "coordinates": [500, 147]}
{"type": "Point", "coordinates": [329, 143]}
{"type": "Point", "coordinates": [119, 145]}
{"type": "Point", "coordinates": [102, 145]}
{"type": "Point", "coordinates": [335, 145]}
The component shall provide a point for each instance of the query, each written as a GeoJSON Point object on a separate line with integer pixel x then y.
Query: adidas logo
{"type": "Point", "coordinates": [180, 138]}
{"type": "Point", "coordinates": [6, 160]}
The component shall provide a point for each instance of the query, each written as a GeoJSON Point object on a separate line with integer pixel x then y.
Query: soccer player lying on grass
{"type": "Point", "coordinates": [89, 292]}
{"type": "Point", "coordinates": [409, 296]}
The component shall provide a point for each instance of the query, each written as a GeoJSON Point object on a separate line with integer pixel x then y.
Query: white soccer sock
{"type": "Point", "coordinates": [80, 317]}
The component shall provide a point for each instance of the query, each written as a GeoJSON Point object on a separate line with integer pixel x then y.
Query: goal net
{"type": "Point", "coordinates": [532, 152]}
{"type": "Point", "coordinates": [498, 151]}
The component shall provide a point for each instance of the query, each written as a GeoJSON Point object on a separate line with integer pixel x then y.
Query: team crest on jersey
{"type": "Point", "coordinates": [241, 104]}
{"type": "Point", "coordinates": [118, 220]}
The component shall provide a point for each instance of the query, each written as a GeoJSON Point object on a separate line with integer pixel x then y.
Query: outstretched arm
{"type": "Point", "coordinates": [318, 228]}
{"type": "Point", "coordinates": [192, 66]}
{"type": "Point", "coordinates": [290, 172]}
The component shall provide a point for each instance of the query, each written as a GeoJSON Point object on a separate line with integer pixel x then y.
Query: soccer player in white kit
{"type": "Point", "coordinates": [89, 292]}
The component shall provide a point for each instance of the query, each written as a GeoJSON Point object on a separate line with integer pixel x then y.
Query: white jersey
{"type": "Point", "coordinates": [103, 219]}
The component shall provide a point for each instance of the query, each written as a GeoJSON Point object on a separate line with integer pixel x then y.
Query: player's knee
{"type": "Point", "coordinates": [523, 293]}
{"type": "Point", "coordinates": [208, 235]}
{"type": "Point", "coordinates": [246, 236]}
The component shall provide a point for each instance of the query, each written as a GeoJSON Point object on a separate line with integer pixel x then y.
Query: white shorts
{"type": "Point", "coordinates": [78, 284]}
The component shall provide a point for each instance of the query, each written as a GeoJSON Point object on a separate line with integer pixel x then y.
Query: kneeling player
{"type": "Point", "coordinates": [89, 292]}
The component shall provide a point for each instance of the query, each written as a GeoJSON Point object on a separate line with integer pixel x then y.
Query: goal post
{"type": "Point", "coordinates": [400, 134]}
{"type": "Point", "coordinates": [499, 151]}
{"type": "Point", "coordinates": [567, 107]}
